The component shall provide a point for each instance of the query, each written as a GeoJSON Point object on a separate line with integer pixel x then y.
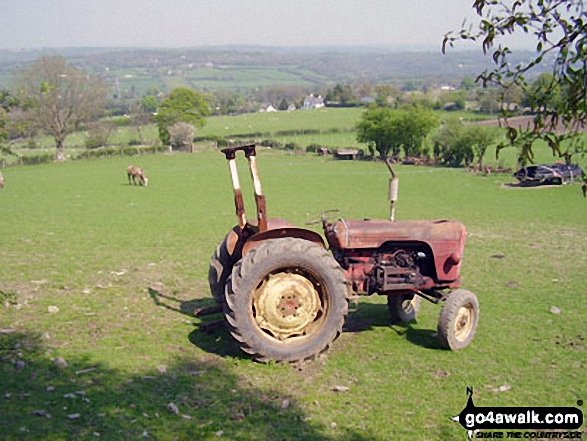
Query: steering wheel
{"type": "Point", "coordinates": [324, 216]}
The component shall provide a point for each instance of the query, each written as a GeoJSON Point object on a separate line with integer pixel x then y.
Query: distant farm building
{"type": "Point", "coordinates": [313, 102]}
{"type": "Point", "coordinates": [348, 153]}
{"type": "Point", "coordinates": [268, 108]}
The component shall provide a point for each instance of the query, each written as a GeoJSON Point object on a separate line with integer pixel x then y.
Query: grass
{"type": "Point", "coordinates": [125, 267]}
{"type": "Point", "coordinates": [315, 119]}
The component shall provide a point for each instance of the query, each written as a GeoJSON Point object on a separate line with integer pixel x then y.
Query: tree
{"type": "Point", "coordinates": [389, 130]}
{"type": "Point", "coordinates": [415, 124]}
{"type": "Point", "coordinates": [480, 138]}
{"type": "Point", "coordinates": [58, 98]}
{"type": "Point", "coordinates": [7, 102]}
{"type": "Point", "coordinates": [488, 100]}
{"type": "Point", "coordinates": [98, 134]}
{"type": "Point", "coordinates": [387, 95]}
{"type": "Point", "coordinates": [181, 136]}
{"type": "Point", "coordinates": [182, 105]}
{"type": "Point", "coordinates": [149, 104]}
{"type": "Point", "coordinates": [451, 146]}
{"type": "Point", "coordinates": [141, 113]}
{"type": "Point", "coordinates": [375, 128]}
{"type": "Point", "coordinates": [343, 95]}
{"type": "Point", "coordinates": [283, 105]}
{"type": "Point", "coordinates": [467, 84]}
{"type": "Point", "coordinates": [560, 31]}
{"type": "Point", "coordinates": [457, 143]}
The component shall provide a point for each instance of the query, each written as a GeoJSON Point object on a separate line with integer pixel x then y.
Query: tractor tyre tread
{"type": "Point", "coordinates": [273, 255]}
{"type": "Point", "coordinates": [220, 268]}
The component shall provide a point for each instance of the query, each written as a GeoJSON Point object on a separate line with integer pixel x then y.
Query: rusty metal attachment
{"type": "Point", "coordinates": [201, 312]}
{"type": "Point", "coordinates": [250, 153]}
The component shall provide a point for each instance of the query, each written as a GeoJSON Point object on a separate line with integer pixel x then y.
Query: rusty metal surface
{"type": "Point", "coordinates": [374, 233]}
{"type": "Point", "coordinates": [261, 212]}
{"type": "Point", "coordinates": [446, 239]}
{"type": "Point", "coordinates": [274, 232]}
{"type": "Point", "coordinates": [236, 238]}
{"type": "Point", "coordinates": [207, 311]}
{"type": "Point", "coordinates": [240, 208]}
{"type": "Point", "coordinates": [250, 153]}
{"type": "Point", "coordinates": [230, 152]}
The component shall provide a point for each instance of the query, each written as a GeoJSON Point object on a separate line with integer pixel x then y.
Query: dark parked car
{"type": "Point", "coordinates": [548, 174]}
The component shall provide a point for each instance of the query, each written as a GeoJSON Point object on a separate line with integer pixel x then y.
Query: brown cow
{"type": "Point", "coordinates": [135, 173]}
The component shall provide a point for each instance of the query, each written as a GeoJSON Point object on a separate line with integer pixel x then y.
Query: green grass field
{"type": "Point", "coordinates": [106, 276]}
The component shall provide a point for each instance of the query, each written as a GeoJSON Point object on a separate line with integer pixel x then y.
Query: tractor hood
{"type": "Point", "coordinates": [446, 239]}
{"type": "Point", "coordinates": [353, 234]}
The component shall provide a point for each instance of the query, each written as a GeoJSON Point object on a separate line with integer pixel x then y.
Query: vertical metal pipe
{"type": "Point", "coordinates": [238, 195]}
{"type": "Point", "coordinates": [393, 194]}
{"type": "Point", "coordinates": [259, 197]}
{"type": "Point", "coordinates": [393, 190]}
{"type": "Point", "coordinates": [255, 175]}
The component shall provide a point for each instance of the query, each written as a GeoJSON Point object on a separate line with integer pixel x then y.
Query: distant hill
{"type": "Point", "coordinates": [241, 68]}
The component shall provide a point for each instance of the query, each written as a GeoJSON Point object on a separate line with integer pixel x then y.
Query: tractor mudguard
{"type": "Point", "coordinates": [279, 233]}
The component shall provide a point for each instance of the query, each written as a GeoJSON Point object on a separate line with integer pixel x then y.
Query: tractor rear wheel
{"type": "Point", "coordinates": [458, 320]}
{"type": "Point", "coordinates": [403, 308]}
{"type": "Point", "coordinates": [221, 264]}
{"type": "Point", "coordinates": [286, 300]}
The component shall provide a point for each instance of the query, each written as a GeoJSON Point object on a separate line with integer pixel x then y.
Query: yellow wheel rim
{"type": "Point", "coordinates": [287, 305]}
{"type": "Point", "coordinates": [464, 322]}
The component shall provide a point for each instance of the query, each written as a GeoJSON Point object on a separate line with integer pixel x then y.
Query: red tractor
{"type": "Point", "coordinates": [285, 290]}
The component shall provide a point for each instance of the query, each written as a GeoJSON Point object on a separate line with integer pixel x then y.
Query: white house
{"type": "Point", "coordinates": [313, 102]}
{"type": "Point", "coordinates": [268, 108]}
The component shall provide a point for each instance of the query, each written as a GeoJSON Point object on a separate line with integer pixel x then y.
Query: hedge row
{"type": "Point", "coordinates": [120, 151]}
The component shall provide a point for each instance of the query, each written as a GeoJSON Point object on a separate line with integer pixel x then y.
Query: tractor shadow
{"type": "Point", "coordinates": [210, 333]}
{"type": "Point", "coordinates": [212, 336]}
{"type": "Point", "coordinates": [172, 303]}
{"type": "Point", "coordinates": [369, 316]}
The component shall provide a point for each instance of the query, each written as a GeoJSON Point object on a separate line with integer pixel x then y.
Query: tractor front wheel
{"type": "Point", "coordinates": [286, 300]}
{"type": "Point", "coordinates": [458, 320]}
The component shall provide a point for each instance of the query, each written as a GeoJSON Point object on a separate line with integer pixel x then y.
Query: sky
{"type": "Point", "coordinates": [192, 23]}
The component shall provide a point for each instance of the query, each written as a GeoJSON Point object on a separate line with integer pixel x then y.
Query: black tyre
{"type": "Point", "coordinates": [458, 320]}
{"type": "Point", "coordinates": [221, 264]}
{"type": "Point", "coordinates": [286, 301]}
{"type": "Point", "coordinates": [403, 308]}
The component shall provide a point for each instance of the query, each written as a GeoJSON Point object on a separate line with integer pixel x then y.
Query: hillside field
{"type": "Point", "coordinates": [106, 276]}
{"type": "Point", "coordinates": [329, 127]}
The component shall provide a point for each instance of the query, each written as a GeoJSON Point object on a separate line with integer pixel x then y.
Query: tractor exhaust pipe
{"type": "Point", "coordinates": [393, 190]}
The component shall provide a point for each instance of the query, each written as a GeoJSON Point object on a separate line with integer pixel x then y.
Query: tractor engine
{"type": "Point", "coordinates": [394, 267]}
{"type": "Point", "coordinates": [403, 256]}
{"type": "Point", "coordinates": [398, 270]}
